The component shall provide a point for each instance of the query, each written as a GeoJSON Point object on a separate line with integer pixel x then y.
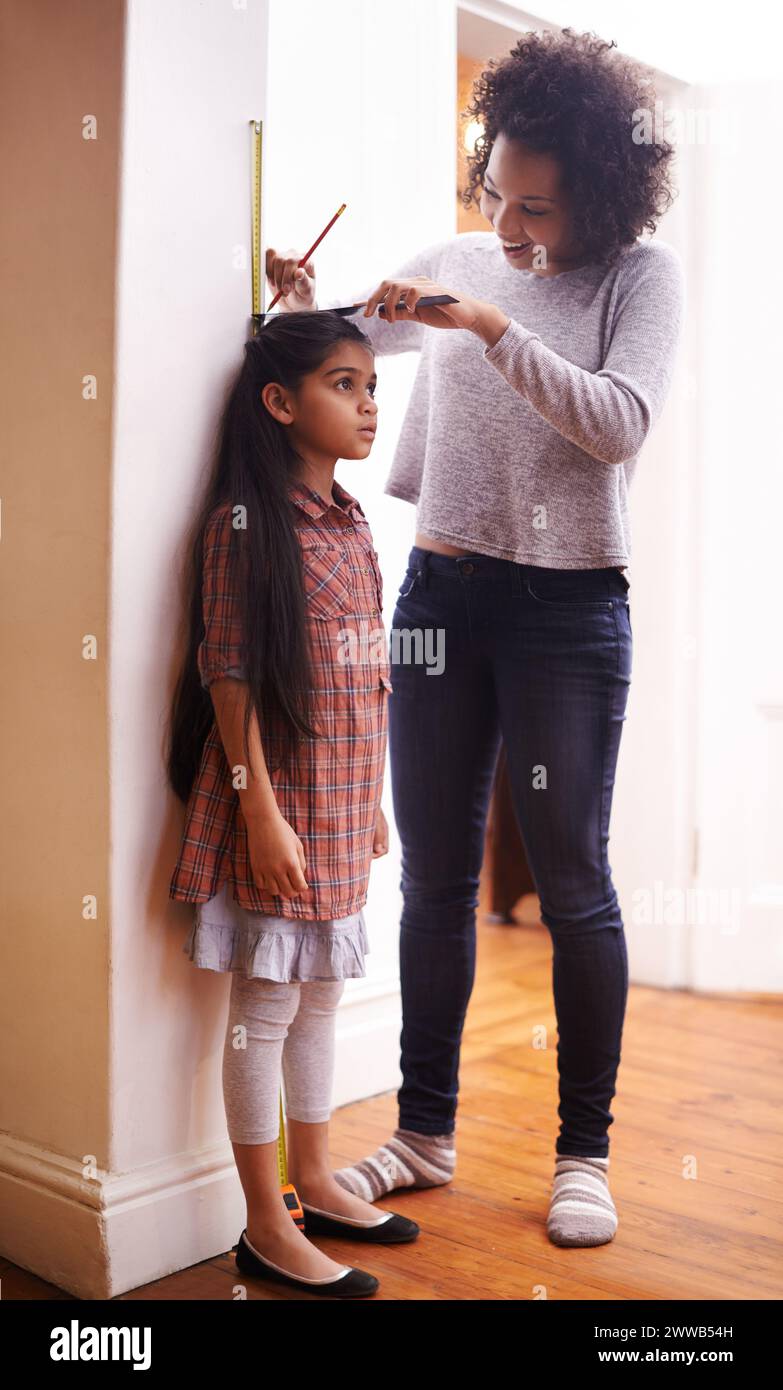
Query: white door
{"type": "Point", "coordinates": [738, 281]}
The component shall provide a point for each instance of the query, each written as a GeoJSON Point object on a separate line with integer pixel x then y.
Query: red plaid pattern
{"type": "Point", "coordinates": [333, 798]}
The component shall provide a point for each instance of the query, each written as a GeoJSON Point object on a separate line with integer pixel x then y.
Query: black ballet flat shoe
{"type": "Point", "coordinates": [393, 1230]}
{"type": "Point", "coordinates": [353, 1283]}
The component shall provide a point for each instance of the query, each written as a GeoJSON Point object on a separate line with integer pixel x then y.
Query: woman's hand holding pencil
{"type": "Point", "coordinates": [304, 262]}
{"type": "Point", "coordinates": [294, 283]}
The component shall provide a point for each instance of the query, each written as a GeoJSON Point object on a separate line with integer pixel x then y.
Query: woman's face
{"type": "Point", "coordinates": [523, 200]}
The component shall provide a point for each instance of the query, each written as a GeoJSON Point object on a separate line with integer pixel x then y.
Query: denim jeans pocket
{"type": "Point", "coordinates": [570, 589]}
{"type": "Point", "coordinates": [577, 589]}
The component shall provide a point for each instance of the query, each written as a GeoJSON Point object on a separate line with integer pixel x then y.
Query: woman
{"type": "Point", "coordinates": [519, 443]}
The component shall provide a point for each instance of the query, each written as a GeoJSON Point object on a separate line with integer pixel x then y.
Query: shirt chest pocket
{"type": "Point", "coordinates": [327, 581]}
{"type": "Point", "coordinates": [377, 578]}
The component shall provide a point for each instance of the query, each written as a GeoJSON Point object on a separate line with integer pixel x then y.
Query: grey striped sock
{"type": "Point", "coordinates": [408, 1159]}
{"type": "Point", "coordinates": [581, 1210]}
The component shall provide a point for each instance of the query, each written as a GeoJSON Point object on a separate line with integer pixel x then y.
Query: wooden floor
{"type": "Point", "coordinates": [699, 1077]}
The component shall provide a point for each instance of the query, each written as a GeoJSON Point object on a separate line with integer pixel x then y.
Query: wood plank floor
{"type": "Point", "coordinates": [698, 1084]}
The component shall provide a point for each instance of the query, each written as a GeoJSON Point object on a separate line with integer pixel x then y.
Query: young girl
{"type": "Point", "coordinates": [277, 747]}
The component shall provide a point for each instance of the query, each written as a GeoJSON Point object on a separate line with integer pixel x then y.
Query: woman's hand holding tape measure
{"type": "Point", "coordinates": [297, 284]}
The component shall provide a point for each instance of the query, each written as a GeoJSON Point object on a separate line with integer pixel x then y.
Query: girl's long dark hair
{"type": "Point", "coordinates": [253, 463]}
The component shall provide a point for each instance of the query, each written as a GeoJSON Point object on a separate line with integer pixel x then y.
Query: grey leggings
{"type": "Point", "coordinates": [273, 1027]}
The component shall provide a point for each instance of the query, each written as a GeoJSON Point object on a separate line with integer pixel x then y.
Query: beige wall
{"type": "Point", "coordinates": [60, 64]}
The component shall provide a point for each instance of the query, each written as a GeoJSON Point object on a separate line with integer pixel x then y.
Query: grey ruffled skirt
{"type": "Point", "coordinates": [228, 937]}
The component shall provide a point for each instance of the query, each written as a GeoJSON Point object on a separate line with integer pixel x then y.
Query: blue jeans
{"type": "Point", "coordinates": [539, 659]}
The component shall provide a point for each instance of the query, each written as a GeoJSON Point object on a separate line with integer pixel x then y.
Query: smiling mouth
{"type": "Point", "coordinates": [515, 246]}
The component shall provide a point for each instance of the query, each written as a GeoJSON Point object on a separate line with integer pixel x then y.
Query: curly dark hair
{"type": "Point", "coordinates": [565, 94]}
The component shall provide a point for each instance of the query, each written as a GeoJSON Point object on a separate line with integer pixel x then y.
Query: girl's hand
{"type": "Point", "coordinates": [380, 841]}
{"type": "Point", "coordinates": [463, 314]}
{"type": "Point", "coordinates": [298, 285]}
{"type": "Point", "coordinates": [277, 858]}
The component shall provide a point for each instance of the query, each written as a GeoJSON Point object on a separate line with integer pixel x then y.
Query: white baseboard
{"type": "Point", "coordinates": [98, 1234]}
{"type": "Point", "coordinates": [368, 1041]}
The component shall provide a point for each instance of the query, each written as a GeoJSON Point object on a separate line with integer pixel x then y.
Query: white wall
{"type": "Point", "coordinates": [739, 733]}
{"type": "Point", "coordinates": [195, 77]}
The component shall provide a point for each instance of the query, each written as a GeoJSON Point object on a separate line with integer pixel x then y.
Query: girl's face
{"type": "Point", "coordinates": [524, 201]}
{"type": "Point", "coordinates": [333, 413]}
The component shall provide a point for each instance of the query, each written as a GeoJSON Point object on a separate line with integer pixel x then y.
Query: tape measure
{"type": "Point", "coordinates": [289, 1192]}
{"type": "Point", "coordinates": [256, 163]}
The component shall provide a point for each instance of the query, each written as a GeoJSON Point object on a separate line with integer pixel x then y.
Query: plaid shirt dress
{"type": "Point", "coordinates": [332, 799]}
